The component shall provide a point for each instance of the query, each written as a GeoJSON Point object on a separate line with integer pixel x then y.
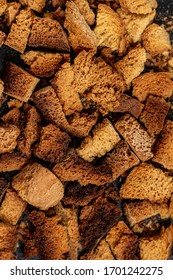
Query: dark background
{"type": "Point", "coordinates": [165, 15]}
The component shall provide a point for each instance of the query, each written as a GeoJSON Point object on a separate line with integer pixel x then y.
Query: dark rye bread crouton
{"type": "Point", "coordinates": [136, 136]}
{"type": "Point", "coordinates": [74, 168]}
{"type": "Point", "coordinates": [48, 33]}
{"type": "Point", "coordinates": [38, 186]}
{"type": "Point", "coordinates": [86, 11]}
{"type": "Point", "coordinates": [36, 5]}
{"type": "Point", "coordinates": [154, 114]}
{"type": "Point", "coordinates": [12, 161]}
{"type": "Point", "coordinates": [8, 138]}
{"type": "Point", "coordinates": [17, 38]}
{"type": "Point", "coordinates": [147, 182]}
{"type": "Point", "coordinates": [158, 246]}
{"type": "Point", "coordinates": [12, 207]}
{"type": "Point", "coordinates": [79, 33]}
{"type": "Point", "coordinates": [120, 159]}
{"type": "Point", "coordinates": [18, 83]}
{"type": "Point", "coordinates": [138, 6]}
{"type": "Point", "coordinates": [53, 144]}
{"type": "Point", "coordinates": [163, 150]}
{"type": "Point", "coordinates": [3, 187]}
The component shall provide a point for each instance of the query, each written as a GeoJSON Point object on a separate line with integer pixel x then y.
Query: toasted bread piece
{"type": "Point", "coordinates": [138, 6]}
{"type": "Point", "coordinates": [120, 159]}
{"type": "Point", "coordinates": [3, 187]}
{"type": "Point", "coordinates": [12, 207]}
{"type": "Point", "coordinates": [53, 144]}
{"type": "Point", "coordinates": [156, 41]}
{"type": "Point", "coordinates": [163, 152]}
{"type": "Point", "coordinates": [7, 255]}
{"type": "Point", "coordinates": [48, 33]}
{"type": "Point", "coordinates": [8, 237]}
{"type": "Point", "coordinates": [86, 11]}
{"type": "Point", "coordinates": [101, 252]}
{"type": "Point", "coordinates": [110, 30]}
{"type": "Point", "coordinates": [36, 5]}
{"type": "Point", "coordinates": [2, 38]}
{"type": "Point", "coordinates": [19, 33]}
{"type": "Point", "coordinates": [12, 161]}
{"type": "Point", "coordinates": [104, 139]}
{"type": "Point", "coordinates": [40, 193]}
{"type": "Point", "coordinates": [158, 246]}
{"type": "Point", "coordinates": [11, 12]}
{"type": "Point", "coordinates": [3, 6]}
{"type": "Point", "coordinates": [18, 83]}
{"type": "Point", "coordinates": [147, 182]}
{"type": "Point", "coordinates": [80, 35]}
{"type": "Point", "coordinates": [135, 24]}
{"type": "Point", "coordinates": [74, 168]}
{"type": "Point", "coordinates": [136, 136]}
{"type": "Point", "coordinates": [1, 88]}
{"type": "Point", "coordinates": [139, 215]}
{"type": "Point", "coordinates": [12, 117]}
{"type": "Point", "coordinates": [123, 243]}
{"type": "Point", "coordinates": [8, 138]}
{"type": "Point", "coordinates": [14, 103]}
{"type": "Point", "coordinates": [171, 206]}
{"type": "Point", "coordinates": [132, 64]}
{"type": "Point", "coordinates": [158, 84]}
{"type": "Point", "coordinates": [154, 114]}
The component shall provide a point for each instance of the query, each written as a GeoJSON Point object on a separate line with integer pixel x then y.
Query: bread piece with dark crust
{"type": "Point", "coordinates": [8, 137]}
{"type": "Point", "coordinates": [12, 161]}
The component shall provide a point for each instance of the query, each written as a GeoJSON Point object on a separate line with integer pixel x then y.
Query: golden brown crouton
{"type": "Point", "coordinates": [40, 193]}
{"type": "Point", "coordinates": [36, 5]}
{"type": "Point", "coordinates": [11, 12]}
{"type": "Point", "coordinates": [11, 161]}
{"type": "Point", "coordinates": [1, 88]}
{"type": "Point", "coordinates": [147, 182]}
{"type": "Point", "coordinates": [7, 255]}
{"type": "Point", "coordinates": [8, 138]}
{"type": "Point", "coordinates": [2, 38]}
{"type": "Point", "coordinates": [3, 187]}
{"type": "Point", "coordinates": [101, 252]}
{"type": "Point", "coordinates": [86, 11]}
{"type": "Point", "coordinates": [12, 116]}
{"type": "Point", "coordinates": [138, 6]}
{"type": "Point", "coordinates": [3, 6]}
{"type": "Point", "coordinates": [8, 237]}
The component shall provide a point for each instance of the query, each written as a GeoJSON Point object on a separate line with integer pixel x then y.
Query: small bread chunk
{"type": "Point", "coordinates": [8, 237]}
{"type": "Point", "coordinates": [3, 6]}
{"type": "Point", "coordinates": [48, 33]}
{"type": "Point", "coordinates": [104, 139]}
{"type": "Point", "coordinates": [18, 83]}
{"type": "Point", "coordinates": [53, 144]}
{"type": "Point", "coordinates": [19, 33]}
{"type": "Point", "coordinates": [154, 114]}
{"type": "Point", "coordinates": [12, 117]}
{"type": "Point", "coordinates": [101, 252]}
{"type": "Point", "coordinates": [11, 161]}
{"type": "Point", "coordinates": [96, 219]}
{"type": "Point", "coordinates": [38, 186]}
{"type": "Point", "coordinates": [8, 138]}
{"type": "Point", "coordinates": [2, 38]}
{"type": "Point", "coordinates": [42, 64]}
{"type": "Point", "coordinates": [142, 7]}
{"type": "Point", "coordinates": [1, 88]}
{"type": "Point", "coordinates": [163, 150]}
{"type": "Point", "coordinates": [135, 24]}
{"type": "Point", "coordinates": [158, 84]}
{"type": "Point", "coordinates": [86, 11]}
{"type": "Point", "coordinates": [120, 159]}
{"type": "Point", "coordinates": [132, 64]}
{"type": "Point", "coordinates": [74, 168]}
{"type": "Point", "coordinates": [12, 207]}
{"type": "Point", "coordinates": [36, 5]}
{"type": "Point", "coordinates": [7, 255]}
{"type": "Point", "coordinates": [14, 103]}
{"type": "Point", "coordinates": [139, 215]}
{"type": "Point", "coordinates": [156, 42]}
{"type": "Point", "coordinates": [80, 35]}
{"type": "Point", "coordinates": [136, 136]}
{"type": "Point", "coordinates": [123, 243]}
{"type": "Point", "coordinates": [147, 182]}
{"type": "Point", "coordinates": [11, 12]}
{"type": "Point", "coordinates": [110, 30]}
{"type": "Point", "coordinates": [3, 187]}
{"type": "Point", "coordinates": [158, 246]}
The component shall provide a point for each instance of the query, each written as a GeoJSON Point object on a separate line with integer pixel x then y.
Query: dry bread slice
{"type": "Point", "coordinates": [18, 83]}
{"type": "Point", "coordinates": [40, 193]}
{"type": "Point", "coordinates": [158, 246]}
{"type": "Point", "coordinates": [80, 35]}
{"type": "Point", "coordinates": [138, 6]}
{"type": "Point", "coordinates": [86, 11]}
{"type": "Point", "coordinates": [110, 30]}
{"type": "Point", "coordinates": [147, 182]}
{"type": "Point", "coordinates": [12, 161]}
{"type": "Point", "coordinates": [48, 33]}
{"type": "Point", "coordinates": [163, 150]}
{"type": "Point", "coordinates": [19, 33]}
{"type": "Point", "coordinates": [103, 140]}
{"type": "Point", "coordinates": [136, 136]}
{"type": "Point", "coordinates": [36, 5]}
{"type": "Point", "coordinates": [8, 138]}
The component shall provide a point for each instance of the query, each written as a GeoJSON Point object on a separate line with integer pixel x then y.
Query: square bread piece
{"type": "Point", "coordinates": [18, 83]}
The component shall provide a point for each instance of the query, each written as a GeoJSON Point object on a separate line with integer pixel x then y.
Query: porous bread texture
{"type": "Point", "coordinates": [18, 83]}
{"type": "Point", "coordinates": [86, 11]}
{"type": "Point", "coordinates": [12, 116]}
{"type": "Point", "coordinates": [110, 30]}
{"type": "Point", "coordinates": [8, 138]}
{"type": "Point", "coordinates": [155, 83]}
{"type": "Point", "coordinates": [3, 187]}
{"type": "Point", "coordinates": [2, 38]}
{"type": "Point", "coordinates": [48, 33]}
{"type": "Point", "coordinates": [17, 38]}
{"type": "Point", "coordinates": [80, 34]}
{"type": "Point", "coordinates": [7, 255]}
{"type": "Point", "coordinates": [8, 237]}
{"type": "Point", "coordinates": [138, 6]}
{"type": "Point", "coordinates": [147, 182]}
{"type": "Point", "coordinates": [101, 252]}
{"type": "Point", "coordinates": [1, 88]}
{"type": "Point", "coordinates": [136, 136]}
{"type": "Point", "coordinates": [154, 114]}
{"type": "Point", "coordinates": [12, 161]}
{"type": "Point", "coordinates": [36, 5]}
{"type": "Point", "coordinates": [163, 150]}
{"type": "Point", "coordinates": [3, 6]}
{"type": "Point", "coordinates": [132, 64]}
{"type": "Point", "coordinates": [158, 246]}
{"type": "Point", "coordinates": [103, 140]}
{"type": "Point", "coordinates": [11, 12]}
{"type": "Point", "coordinates": [40, 193]}
{"type": "Point", "coordinates": [12, 207]}
{"type": "Point", "coordinates": [135, 24]}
